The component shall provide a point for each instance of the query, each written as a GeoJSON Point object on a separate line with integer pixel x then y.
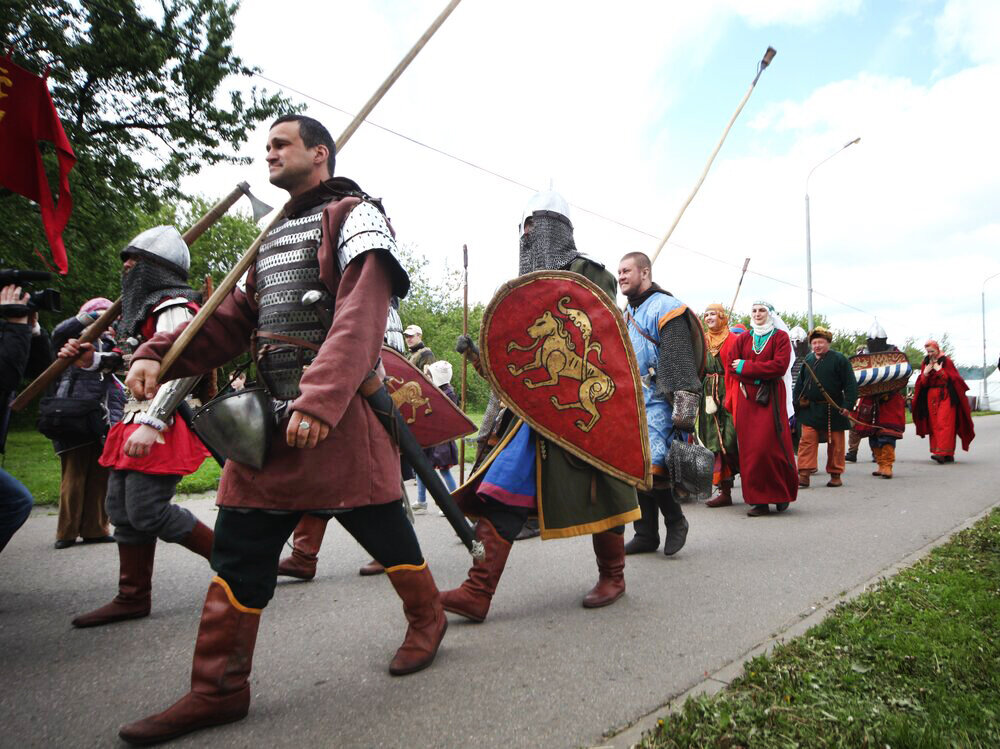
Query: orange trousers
{"type": "Point", "coordinates": [809, 451]}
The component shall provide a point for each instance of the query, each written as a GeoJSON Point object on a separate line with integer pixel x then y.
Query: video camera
{"type": "Point", "coordinates": [41, 299]}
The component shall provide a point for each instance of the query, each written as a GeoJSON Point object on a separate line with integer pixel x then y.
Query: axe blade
{"type": "Point", "coordinates": [259, 207]}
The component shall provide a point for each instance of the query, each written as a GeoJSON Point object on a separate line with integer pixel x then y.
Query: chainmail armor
{"type": "Point", "coordinates": [549, 245]}
{"type": "Point", "coordinates": [148, 283]}
{"type": "Point", "coordinates": [676, 368]}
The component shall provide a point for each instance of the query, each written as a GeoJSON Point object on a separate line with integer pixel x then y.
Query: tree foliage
{"type": "Point", "coordinates": [437, 306]}
{"type": "Point", "coordinates": [143, 101]}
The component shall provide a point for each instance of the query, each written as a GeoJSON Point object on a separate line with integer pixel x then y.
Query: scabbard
{"type": "Point", "coordinates": [381, 403]}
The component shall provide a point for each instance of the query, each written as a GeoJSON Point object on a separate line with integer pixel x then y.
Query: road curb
{"type": "Point", "coordinates": [719, 679]}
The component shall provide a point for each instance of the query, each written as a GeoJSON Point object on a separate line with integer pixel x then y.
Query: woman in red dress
{"type": "Point", "coordinates": [759, 396]}
{"type": "Point", "coordinates": [940, 408]}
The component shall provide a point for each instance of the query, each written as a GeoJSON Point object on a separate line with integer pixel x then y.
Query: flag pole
{"type": "Point", "coordinates": [465, 354]}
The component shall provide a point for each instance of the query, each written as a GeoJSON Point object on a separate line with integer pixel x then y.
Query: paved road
{"type": "Point", "coordinates": [542, 671]}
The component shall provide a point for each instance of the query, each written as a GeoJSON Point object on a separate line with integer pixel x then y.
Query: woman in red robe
{"type": "Point", "coordinates": [940, 408]}
{"type": "Point", "coordinates": [761, 362]}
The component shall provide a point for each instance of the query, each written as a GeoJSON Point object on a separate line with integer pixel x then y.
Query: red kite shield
{"type": "Point", "coordinates": [556, 350]}
{"type": "Point", "coordinates": [428, 412]}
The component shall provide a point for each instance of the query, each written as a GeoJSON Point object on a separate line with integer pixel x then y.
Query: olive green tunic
{"type": "Point", "coordinates": [836, 375]}
{"type": "Point", "coordinates": [716, 431]}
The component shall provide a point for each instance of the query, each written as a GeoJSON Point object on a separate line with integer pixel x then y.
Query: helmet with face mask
{"type": "Point", "coordinates": [546, 234]}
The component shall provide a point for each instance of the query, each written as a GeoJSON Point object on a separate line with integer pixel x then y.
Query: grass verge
{"type": "Point", "coordinates": [914, 662]}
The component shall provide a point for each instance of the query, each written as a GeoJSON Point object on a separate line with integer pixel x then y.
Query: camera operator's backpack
{"type": "Point", "coordinates": [69, 419]}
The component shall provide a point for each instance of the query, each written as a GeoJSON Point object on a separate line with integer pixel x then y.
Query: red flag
{"type": "Point", "coordinates": [27, 115]}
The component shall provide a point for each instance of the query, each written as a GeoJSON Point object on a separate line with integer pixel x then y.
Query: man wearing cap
{"type": "Point", "coordinates": [825, 373]}
{"type": "Point", "coordinates": [420, 354]}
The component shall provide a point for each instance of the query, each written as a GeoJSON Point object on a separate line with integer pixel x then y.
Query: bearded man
{"type": "Point", "coordinates": [940, 408]}
{"type": "Point", "coordinates": [715, 424]}
{"type": "Point", "coordinates": [660, 331]}
{"type": "Point", "coordinates": [825, 373]}
{"type": "Point", "coordinates": [526, 471]}
{"type": "Point", "coordinates": [334, 455]}
{"type": "Point", "coordinates": [150, 449]}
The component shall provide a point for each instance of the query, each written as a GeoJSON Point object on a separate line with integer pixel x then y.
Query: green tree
{"type": "Point", "coordinates": [436, 306]}
{"type": "Point", "coordinates": [144, 102]}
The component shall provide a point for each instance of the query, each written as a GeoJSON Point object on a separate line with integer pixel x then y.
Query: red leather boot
{"type": "Point", "coordinates": [220, 690]}
{"type": "Point", "coordinates": [199, 540]}
{"type": "Point", "coordinates": [610, 550]}
{"type": "Point", "coordinates": [135, 585]}
{"type": "Point", "coordinates": [427, 622]}
{"type": "Point", "coordinates": [306, 540]}
{"type": "Point", "coordinates": [472, 598]}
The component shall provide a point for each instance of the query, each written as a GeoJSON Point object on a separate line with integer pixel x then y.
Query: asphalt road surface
{"type": "Point", "coordinates": [541, 671]}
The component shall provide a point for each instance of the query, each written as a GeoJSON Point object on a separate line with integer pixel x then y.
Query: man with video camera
{"type": "Point", "coordinates": [24, 349]}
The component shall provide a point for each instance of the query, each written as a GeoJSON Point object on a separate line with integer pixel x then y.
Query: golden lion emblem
{"type": "Point", "coordinates": [555, 352]}
{"type": "Point", "coordinates": [409, 394]}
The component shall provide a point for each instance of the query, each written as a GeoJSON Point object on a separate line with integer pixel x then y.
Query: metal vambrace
{"type": "Point", "coordinates": [170, 395]}
{"type": "Point", "coordinates": [685, 410]}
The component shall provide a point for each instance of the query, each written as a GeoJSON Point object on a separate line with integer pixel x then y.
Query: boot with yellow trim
{"type": "Point", "coordinates": [427, 622]}
{"type": "Point", "coordinates": [135, 585]}
{"type": "Point", "coordinates": [473, 597]}
{"type": "Point", "coordinates": [609, 547]}
{"type": "Point", "coordinates": [306, 540]}
{"type": "Point", "coordinates": [220, 690]}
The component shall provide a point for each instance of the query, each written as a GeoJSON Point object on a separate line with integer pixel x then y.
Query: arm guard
{"type": "Point", "coordinates": [166, 401]}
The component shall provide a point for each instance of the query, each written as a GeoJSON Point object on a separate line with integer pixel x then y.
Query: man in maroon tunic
{"type": "Point", "coordinates": [940, 408]}
{"type": "Point", "coordinates": [760, 367]}
{"type": "Point", "coordinates": [332, 453]}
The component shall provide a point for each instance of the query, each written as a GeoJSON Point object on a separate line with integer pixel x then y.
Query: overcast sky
{"type": "Point", "coordinates": [620, 106]}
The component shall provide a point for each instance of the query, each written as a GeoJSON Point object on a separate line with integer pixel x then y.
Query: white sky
{"type": "Point", "coordinates": [621, 106]}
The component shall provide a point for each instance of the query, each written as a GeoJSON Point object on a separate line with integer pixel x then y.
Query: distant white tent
{"type": "Point", "coordinates": [990, 399]}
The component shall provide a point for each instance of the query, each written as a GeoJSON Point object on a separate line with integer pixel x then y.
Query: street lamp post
{"type": "Point", "coordinates": [984, 401]}
{"type": "Point", "coordinates": [809, 272]}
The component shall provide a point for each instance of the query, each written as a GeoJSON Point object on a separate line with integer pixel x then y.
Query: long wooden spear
{"type": "Point", "coordinates": [746, 262]}
{"type": "Point", "coordinates": [102, 323]}
{"type": "Point", "coordinates": [229, 282]}
{"type": "Point", "coordinates": [761, 66]}
{"type": "Point", "coordinates": [465, 354]}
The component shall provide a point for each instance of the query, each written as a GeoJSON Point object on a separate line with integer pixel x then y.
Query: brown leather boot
{"type": "Point", "coordinates": [877, 452]}
{"type": "Point", "coordinates": [834, 480]}
{"type": "Point", "coordinates": [306, 540]}
{"type": "Point", "coordinates": [135, 584]}
{"type": "Point", "coordinates": [804, 479]}
{"type": "Point", "coordinates": [199, 540]}
{"type": "Point", "coordinates": [610, 550]}
{"type": "Point", "coordinates": [472, 598]}
{"type": "Point", "coordinates": [725, 496]}
{"type": "Point", "coordinates": [888, 458]}
{"type": "Point", "coordinates": [422, 606]}
{"type": "Point", "coordinates": [220, 691]}
{"type": "Point", "coordinates": [372, 568]}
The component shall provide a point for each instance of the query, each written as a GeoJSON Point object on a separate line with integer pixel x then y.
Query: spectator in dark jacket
{"type": "Point", "coordinates": [84, 480]}
{"type": "Point", "coordinates": [24, 349]}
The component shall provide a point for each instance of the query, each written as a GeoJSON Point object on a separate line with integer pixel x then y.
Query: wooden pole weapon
{"type": "Point", "coordinates": [465, 354]}
{"type": "Point", "coordinates": [761, 66]}
{"type": "Point", "coordinates": [227, 284]}
{"type": "Point", "coordinates": [102, 323]}
{"type": "Point", "coordinates": [729, 315]}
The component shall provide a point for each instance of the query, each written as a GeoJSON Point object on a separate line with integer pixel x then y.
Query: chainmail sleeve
{"type": "Point", "coordinates": [676, 368]}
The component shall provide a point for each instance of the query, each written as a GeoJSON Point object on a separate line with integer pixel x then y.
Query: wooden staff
{"type": "Point", "coordinates": [241, 267]}
{"type": "Point", "coordinates": [465, 354]}
{"type": "Point", "coordinates": [102, 323]}
{"type": "Point", "coordinates": [746, 262]}
{"type": "Point", "coordinates": [765, 61]}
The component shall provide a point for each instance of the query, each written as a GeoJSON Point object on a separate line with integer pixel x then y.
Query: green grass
{"type": "Point", "coordinates": [31, 460]}
{"type": "Point", "coordinates": [913, 663]}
